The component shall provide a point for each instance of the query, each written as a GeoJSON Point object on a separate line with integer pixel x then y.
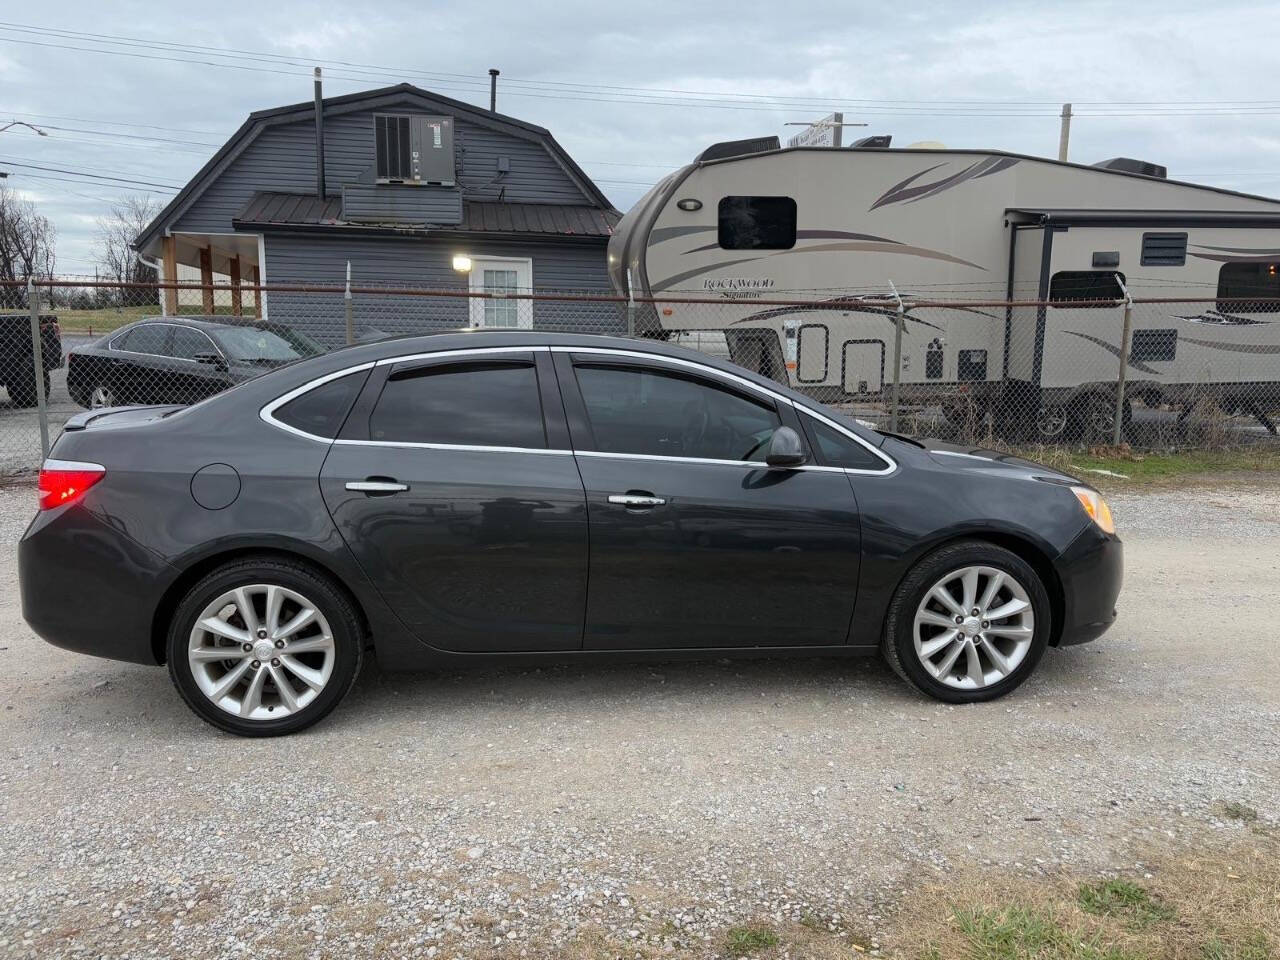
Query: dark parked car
{"type": "Point", "coordinates": [179, 359]}
{"type": "Point", "coordinates": [17, 359]}
{"type": "Point", "coordinates": [450, 499]}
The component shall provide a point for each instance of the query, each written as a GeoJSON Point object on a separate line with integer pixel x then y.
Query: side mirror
{"type": "Point", "coordinates": [212, 360]}
{"type": "Point", "coordinates": [785, 449]}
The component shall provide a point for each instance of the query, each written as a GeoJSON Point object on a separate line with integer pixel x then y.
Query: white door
{"type": "Point", "coordinates": [502, 276]}
{"type": "Point", "coordinates": [863, 366]}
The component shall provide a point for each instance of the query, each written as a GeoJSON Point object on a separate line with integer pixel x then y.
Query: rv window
{"type": "Point", "coordinates": [1251, 280]}
{"type": "Point", "coordinates": [757, 223]}
{"type": "Point", "coordinates": [1150, 346]}
{"type": "Point", "coordinates": [1089, 285]}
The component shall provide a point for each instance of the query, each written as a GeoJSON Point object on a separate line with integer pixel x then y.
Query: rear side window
{"type": "Point", "coordinates": [148, 338]}
{"type": "Point", "coordinates": [839, 450]}
{"type": "Point", "coordinates": [477, 404]}
{"type": "Point", "coordinates": [322, 410]}
{"type": "Point", "coordinates": [757, 223]}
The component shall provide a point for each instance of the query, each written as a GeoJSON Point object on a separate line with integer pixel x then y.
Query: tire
{"type": "Point", "coordinates": [199, 676]}
{"type": "Point", "coordinates": [99, 395]}
{"type": "Point", "coordinates": [899, 642]}
{"type": "Point", "coordinates": [1094, 417]}
{"type": "Point", "coordinates": [24, 394]}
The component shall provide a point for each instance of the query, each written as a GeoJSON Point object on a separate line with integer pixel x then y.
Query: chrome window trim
{"type": "Point", "coordinates": [111, 344]}
{"type": "Point", "coordinates": [266, 412]}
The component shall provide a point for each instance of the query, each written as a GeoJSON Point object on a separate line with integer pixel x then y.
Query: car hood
{"type": "Point", "coordinates": [969, 457]}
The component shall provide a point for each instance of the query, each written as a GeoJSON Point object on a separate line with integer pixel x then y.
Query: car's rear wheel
{"type": "Point", "coordinates": [968, 623]}
{"type": "Point", "coordinates": [264, 647]}
{"type": "Point", "coordinates": [100, 396]}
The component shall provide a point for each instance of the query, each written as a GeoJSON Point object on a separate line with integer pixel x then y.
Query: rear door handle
{"type": "Point", "coordinates": [635, 500]}
{"type": "Point", "coordinates": [375, 487]}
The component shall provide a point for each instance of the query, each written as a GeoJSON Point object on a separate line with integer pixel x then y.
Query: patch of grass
{"type": "Point", "coordinates": [1123, 899]}
{"type": "Point", "coordinates": [1235, 810]}
{"type": "Point", "coordinates": [1256, 947]}
{"type": "Point", "coordinates": [105, 319]}
{"type": "Point", "coordinates": [746, 940]}
{"type": "Point", "coordinates": [1023, 933]}
{"type": "Point", "coordinates": [1154, 469]}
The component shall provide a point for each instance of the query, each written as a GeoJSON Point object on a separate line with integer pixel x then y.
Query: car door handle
{"type": "Point", "coordinates": [635, 500]}
{"type": "Point", "coordinates": [377, 486]}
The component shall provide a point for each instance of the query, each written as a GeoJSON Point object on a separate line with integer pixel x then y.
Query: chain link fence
{"type": "Point", "coordinates": [1155, 374]}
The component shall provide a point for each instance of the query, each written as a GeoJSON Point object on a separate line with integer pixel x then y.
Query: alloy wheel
{"type": "Point", "coordinates": [100, 397]}
{"type": "Point", "coordinates": [974, 627]}
{"type": "Point", "coordinates": [261, 652]}
{"type": "Point", "coordinates": [1051, 420]}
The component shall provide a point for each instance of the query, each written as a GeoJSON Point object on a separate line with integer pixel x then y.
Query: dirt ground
{"type": "Point", "coordinates": [640, 809]}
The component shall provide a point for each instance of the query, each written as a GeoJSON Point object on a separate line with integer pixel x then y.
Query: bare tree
{"type": "Point", "coordinates": [117, 231]}
{"type": "Point", "coordinates": [26, 239]}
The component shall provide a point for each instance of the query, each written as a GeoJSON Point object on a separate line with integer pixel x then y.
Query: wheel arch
{"type": "Point", "coordinates": [205, 565]}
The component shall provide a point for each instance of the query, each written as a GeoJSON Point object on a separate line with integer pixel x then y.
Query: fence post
{"type": "Point", "coordinates": [1125, 331]}
{"type": "Point", "coordinates": [37, 369]}
{"type": "Point", "coordinates": [897, 361]}
{"type": "Point", "coordinates": [351, 327]}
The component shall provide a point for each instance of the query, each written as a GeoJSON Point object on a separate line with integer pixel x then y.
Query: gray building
{"type": "Point", "coordinates": [409, 188]}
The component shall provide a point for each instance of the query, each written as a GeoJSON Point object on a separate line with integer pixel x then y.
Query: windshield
{"type": "Point", "coordinates": [259, 345]}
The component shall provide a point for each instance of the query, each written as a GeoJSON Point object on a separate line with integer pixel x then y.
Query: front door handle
{"type": "Point", "coordinates": [377, 487]}
{"type": "Point", "coordinates": [635, 500]}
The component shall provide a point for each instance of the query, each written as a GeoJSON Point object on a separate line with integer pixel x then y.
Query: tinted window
{"type": "Point", "coordinates": [189, 344]}
{"type": "Point", "coordinates": [256, 345]}
{"type": "Point", "coordinates": [638, 410]}
{"type": "Point", "coordinates": [1253, 280]}
{"type": "Point", "coordinates": [1154, 345]}
{"type": "Point", "coordinates": [147, 338]}
{"type": "Point", "coordinates": [757, 223]}
{"type": "Point", "coordinates": [1086, 285]}
{"type": "Point", "coordinates": [322, 410]}
{"type": "Point", "coordinates": [482, 404]}
{"type": "Point", "coordinates": [838, 450]}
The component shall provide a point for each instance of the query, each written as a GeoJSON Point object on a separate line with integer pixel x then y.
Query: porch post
{"type": "Point", "coordinates": [255, 276]}
{"type": "Point", "coordinates": [206, 279]}
{"type": "Point", "coordinates": [237, 308]}
{"type": "Point", "coordinates": [169, 252]}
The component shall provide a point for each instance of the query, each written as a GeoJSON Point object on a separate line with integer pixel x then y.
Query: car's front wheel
{"type": "Point", "coordinates": [264, 647]}
{"type": "Point", "coordinates": [969, 622]}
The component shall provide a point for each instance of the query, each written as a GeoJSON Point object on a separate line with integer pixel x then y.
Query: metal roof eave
{"type": "Point", "coordinates": [1143, 218]}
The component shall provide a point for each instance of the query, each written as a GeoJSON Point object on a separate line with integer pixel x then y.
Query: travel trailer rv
{"type": "Point", "coordinates": [850, 231]}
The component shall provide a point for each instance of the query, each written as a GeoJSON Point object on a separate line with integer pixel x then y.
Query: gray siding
{"type": "Point", "coordinates": [282, 158]}
{"type": "Point", "coordinates": [366, 203]}
{"type": "Point", "coordinates": [426, 263]}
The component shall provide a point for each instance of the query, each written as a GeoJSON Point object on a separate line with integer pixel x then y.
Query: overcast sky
{"type": "Point", "coordinates": [1183, 84]}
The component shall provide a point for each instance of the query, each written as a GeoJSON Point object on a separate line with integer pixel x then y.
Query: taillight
{"type": "Point", "coordinates": [65, 481]}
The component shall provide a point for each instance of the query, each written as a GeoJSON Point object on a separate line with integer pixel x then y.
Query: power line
{"type": "Point", "coordinates": [85, 173]}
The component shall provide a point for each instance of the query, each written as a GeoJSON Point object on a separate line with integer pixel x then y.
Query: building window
{"type": "Point", "coordinates": [1150, 346]}
{"type": "Point", "coordinates": [1164, 249]}
{"type": "Point", "coordinates": [1086, 285]}
{"type": "Point", "coordinates": [393, 147]}
{"type": "Point", "coordinates": [500, 277]}
{"type": "Point", "coordinates": [757, 223]}
{"type": "Point", "coordinates": [1250, 280]}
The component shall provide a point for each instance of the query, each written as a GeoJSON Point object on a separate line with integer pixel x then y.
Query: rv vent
{"type": "Point", "coordinates": [1129, 165]}
{"type": "Point", "coordinates": [738, 148]}
{"type": "Point", "coordinates": [879, 142]}
{"type": "Point", "coordinates": [1164, 249]}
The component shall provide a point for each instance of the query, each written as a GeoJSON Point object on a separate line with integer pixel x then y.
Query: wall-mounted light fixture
{"type": "Point", "coordinates": [462, 263]}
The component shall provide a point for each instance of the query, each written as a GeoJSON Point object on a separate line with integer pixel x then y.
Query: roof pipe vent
{"type": "Point", "coordinates": [319, 137]}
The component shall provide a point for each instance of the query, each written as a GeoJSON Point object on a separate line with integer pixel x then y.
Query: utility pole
{"type": "Point", "coordinates": [1065, 135]}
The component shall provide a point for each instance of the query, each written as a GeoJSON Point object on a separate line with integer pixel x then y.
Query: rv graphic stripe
{"type": "Point", "coordinates": [904, 192]}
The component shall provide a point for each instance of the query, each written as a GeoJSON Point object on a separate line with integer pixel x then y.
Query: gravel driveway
{"type": "Point", "coordinates": [632, 810]}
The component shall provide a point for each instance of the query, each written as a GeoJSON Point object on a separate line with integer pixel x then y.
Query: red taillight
{"type": "Point", "coordinates": [65, 481]}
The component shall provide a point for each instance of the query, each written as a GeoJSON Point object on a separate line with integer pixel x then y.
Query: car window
{"type": "Point", "coordinates": [321, 411]}
{"type": "Point", "coordinates": [640, 410]}
{"type": "Point", "coordinates": [480, 404]}
{"type": "Point", "coordinates": [256, 345]}
{"type": "Point", "coordinates": [839, 450]}
{"type": "Point", "coordinates": [189, 344]}
{"type": "Point", "coordinates": [146, 338]}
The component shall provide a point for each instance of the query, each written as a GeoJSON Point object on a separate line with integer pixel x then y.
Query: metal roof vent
{"type": "Point", "coordinates": [738, 148]}
{"type": "Point", "coordinates": [1129, 165]}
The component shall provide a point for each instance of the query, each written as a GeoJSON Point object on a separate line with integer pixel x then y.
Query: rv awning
{"type": "Point", "coordinates": [1145, 218]}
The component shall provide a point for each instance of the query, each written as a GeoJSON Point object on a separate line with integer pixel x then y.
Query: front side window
{"type": "Point", "coordinates": [189, 344]}
{"type": "Point", "coordinates": [476, 404]}
{"type": "Point", "coordinates": [147, 338]}
{"type": "Point", "coordinates": [757, 223]}
{"type": "Point", "coordinates": [839, 450]}
{"type": "Point", "coordinates": [1251, 280]}
{"type": "Point", "coordinates": [639, 410]}
{"type": "Point", "coordinates": [1069, 285]}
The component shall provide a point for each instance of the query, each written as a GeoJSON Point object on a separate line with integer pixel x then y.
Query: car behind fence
{"type": "Point", "coordinates": [1148, 372]}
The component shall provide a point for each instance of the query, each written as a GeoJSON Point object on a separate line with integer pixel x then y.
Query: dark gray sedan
{"type": "Point", "coordinates": [458, 498]}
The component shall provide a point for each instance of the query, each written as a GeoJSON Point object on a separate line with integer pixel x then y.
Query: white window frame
{"type": "Point", "coordinates": [524, 284]}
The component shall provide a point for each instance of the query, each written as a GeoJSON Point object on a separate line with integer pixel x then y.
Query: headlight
{"type": "Point", "coordinates": [1096, 508]}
